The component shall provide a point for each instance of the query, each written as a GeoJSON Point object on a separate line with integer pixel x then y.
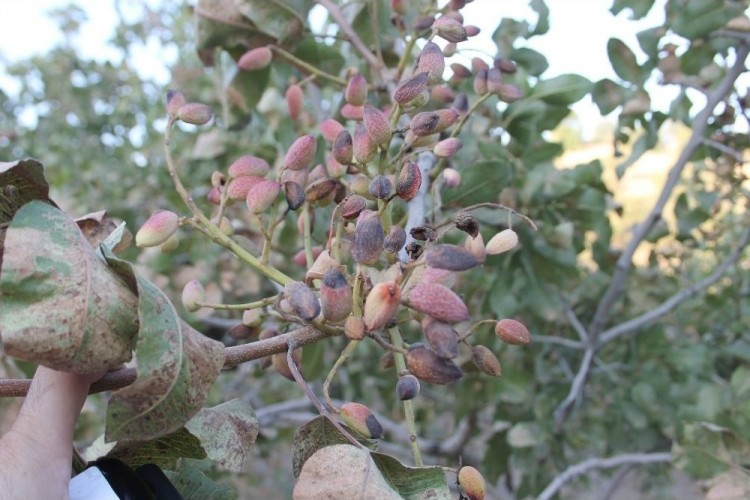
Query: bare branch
{"type": "Point", "coordinates": [351, 35]}
{"type": "Point", "coordinates": [576, 388]}
{"type": "Point", "coordinates": [233, 356]}
{"type": "Point", "coordinates": [549, 339]}
{"type": "Point", "coordinates": [726, 150]}
{"type": "Point", "coordinates": [668, 305]}
{"type": "Point", "coordinates": [601, 463]}
{"type": "Point", "coordinates": [700, 125]}
{"type": "Point", "coordinates": [576, 324]}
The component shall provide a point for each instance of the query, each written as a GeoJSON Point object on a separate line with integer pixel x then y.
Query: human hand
{"type": "Point", "coordinates": [36, 453]}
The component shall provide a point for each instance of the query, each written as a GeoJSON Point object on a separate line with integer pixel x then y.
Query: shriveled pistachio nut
{"type": "Point", "coordinates": [512, 332]}
{"type": "Point", "coordinates": [438, 301]}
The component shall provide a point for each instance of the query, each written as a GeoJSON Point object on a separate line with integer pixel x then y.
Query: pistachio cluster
{"type": "Point", "coordinates": [373, 273]}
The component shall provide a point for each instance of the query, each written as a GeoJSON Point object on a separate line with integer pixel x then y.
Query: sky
{"type": "Point", "coordinates": [576, 42]}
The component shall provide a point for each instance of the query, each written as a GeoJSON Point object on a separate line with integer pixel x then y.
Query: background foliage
{"type": "Point", "coordinates": [677, 383]}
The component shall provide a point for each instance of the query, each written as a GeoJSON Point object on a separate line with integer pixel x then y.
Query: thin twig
{"type": "Point", "coordinates": [576, 388]}
{"type": "Point", "coordinates": [600, 463]}
{"type": "Point", "coordinates": [352, 35]}
{"type": "Point", "coordinates": [549, 339]}
{"type": "Point", "coordinates": [576, 323]}
{"type": "Point", "coordinates": [726, 150]}
{"type": "Point", "coordinates": [700, 125]}
{"type": "Point", "coordinates": [668, 305]}
{"type": "Point", "coordinates": [291, 346]}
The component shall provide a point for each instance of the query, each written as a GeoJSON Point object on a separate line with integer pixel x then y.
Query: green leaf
{"type": "Point", "coordinates": [176, 367]}
{"type": "Point", "coordinates": [624, 62]}
{"type": "Point", "coordinates": [706, 449]}
{"type": "Point", "coordinates": [193, 484]}
{"type": "Point", "coordinates": [608, 95]}
{"type": "Point", "coordinates": [525, 435]}
{"type": "Point", "coordinates": [480, 182]}
{"type": "Point", "coordinates": [246, 89]}
{"type": "Point", "coordinates": [649, 41]}
{"type": "Point", "coordinates": [542, 23]}
{"type": "Point", "coordinates": [696, 18]}
{"type": "Point", "coordinates": [639, 8]}
{"type": "Point", "coordinates": [226, 431]}
{"type": "Point", "coordinates": [506, 34]}
{"type": "Point", "coordinates": [740, 382]}
{"type": "Point", "coordinates": [61, 306]}
{"type": "Point", "coordinates": [219, 23]}
{"type": "Point", "coordinates": [281, 19]}
{"type": "Point", "coordinates": [413, 483]}
{"type": "Point", "coordinates": [563, 89]}
{"type": "Point", "coordinates": [314, 435]}
{"type": "Point", "coordinates": [532, 61]}
{"type": "Point", "coordinates": [164, 451]}
{"type": "Point", "coordinates": [324, 57]}
{"type": "Point", "coordinates": [314, 363]}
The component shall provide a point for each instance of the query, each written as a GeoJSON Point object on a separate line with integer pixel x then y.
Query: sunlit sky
{"type": "Point", "coordinates": [576, 42]}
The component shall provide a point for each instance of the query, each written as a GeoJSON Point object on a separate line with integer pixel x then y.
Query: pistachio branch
{"type": "Point", "coordinates": [202, 223]}
{"type": "Point", "coordinates": [352, 36]}
{"type": "Point", "coordinates": [313, 398]}
{"type": "Point", "coordinates": [233, 356]}
{"type": "Point", "coordinates": [400, 362]}
{"type": "Point", "coordinates": [306, 66]}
